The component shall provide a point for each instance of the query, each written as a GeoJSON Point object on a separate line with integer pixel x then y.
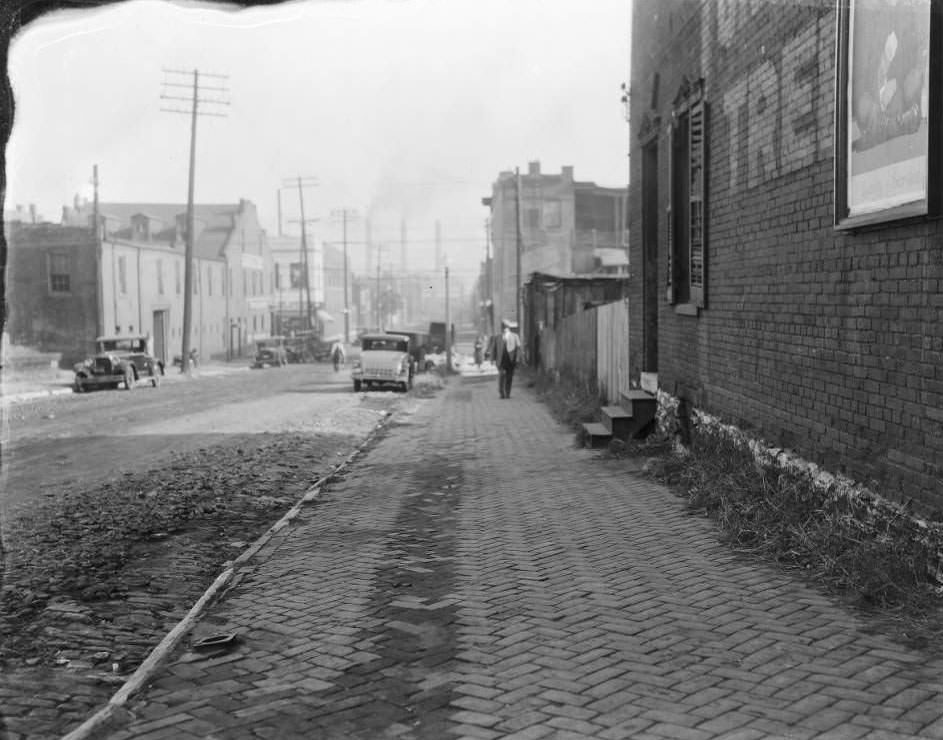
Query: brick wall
{"type": "Point", "coordinates": [38, 317]}
{"type": "Point", "coordinates": [828, 342]}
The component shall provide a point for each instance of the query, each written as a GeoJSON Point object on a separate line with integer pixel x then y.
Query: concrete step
{"type": "Point", "coordinates": [616, 419]}
{"type": "Point", "coordinates": [636, 396]}
{"type": "Point", "coordinates": [597, 435]}
{"type": "Point", "coordinates": [642, 407]}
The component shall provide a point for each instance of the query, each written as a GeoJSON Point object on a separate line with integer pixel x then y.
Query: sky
{"type": "Point", "coordinates": [400, 109]}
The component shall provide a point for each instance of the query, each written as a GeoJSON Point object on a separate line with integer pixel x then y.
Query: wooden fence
{"type": "Point", "coordinates": [593, 346]}
{"type": "Point", "coordinates": [612, 349]}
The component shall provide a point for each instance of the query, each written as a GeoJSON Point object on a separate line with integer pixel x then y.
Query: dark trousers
{"type": "Point", "coordinates": [505, 376]}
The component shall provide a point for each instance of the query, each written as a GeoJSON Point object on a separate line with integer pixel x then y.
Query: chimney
{"type": "Point", "coordinates": [65, 215]}
{"type": "Point", "coordinates": [32, 213]}
{"type": "Point", "coordinates": [75, 201]}
{"type": "Point", "coordinates": [567, 172]}
{"type": "Point", "coordinates": [533, 168]}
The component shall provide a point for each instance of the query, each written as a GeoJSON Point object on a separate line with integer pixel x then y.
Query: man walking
{"type": "Point", "coordinates": [507, 349]}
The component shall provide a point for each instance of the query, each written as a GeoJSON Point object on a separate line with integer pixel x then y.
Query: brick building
{"type": "Point", "coordinates": [783, 215]}
{"type": "Point", "coordinates": [67, 286]}
{"type": "Point", "coordinates": [567, 227]}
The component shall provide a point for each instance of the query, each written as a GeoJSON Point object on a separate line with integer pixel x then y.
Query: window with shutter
{"type": "Point", "coordinates": [686, 211]}
{"type": "Point", "coordinates": [696, 130]}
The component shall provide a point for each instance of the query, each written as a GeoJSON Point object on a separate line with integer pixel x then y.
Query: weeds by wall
{"type": "Point", "coordinates": [770, 504]}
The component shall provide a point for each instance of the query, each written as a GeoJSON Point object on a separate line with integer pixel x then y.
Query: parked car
{"type": "Point", "coordinates": [119, 360]}
{"type": "Point", "coordinates": [270, 352]}
{"type": "Point", "coordinates": [384, 361]}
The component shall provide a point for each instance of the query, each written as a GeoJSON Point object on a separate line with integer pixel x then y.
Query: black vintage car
{"type": "Point", "coordinates": [270, 352]}
{"type": "Point", "coordinates": [120, 360]}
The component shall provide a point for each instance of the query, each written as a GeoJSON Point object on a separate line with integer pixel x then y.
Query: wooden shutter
{"type": "Point", "coordinates": [697, 141]}
{"type": "Point", "coordinates": [669, 218]}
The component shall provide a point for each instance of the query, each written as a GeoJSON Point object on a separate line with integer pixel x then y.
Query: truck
{"type": "Point", "coordinates": [437, 336]}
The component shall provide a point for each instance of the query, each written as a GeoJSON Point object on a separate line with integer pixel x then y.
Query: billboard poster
{"type": "Point", "coordinates": [887, 64]}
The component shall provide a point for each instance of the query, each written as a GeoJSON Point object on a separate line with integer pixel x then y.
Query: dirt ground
{"type": "Point", "coordinates": [120, 508]}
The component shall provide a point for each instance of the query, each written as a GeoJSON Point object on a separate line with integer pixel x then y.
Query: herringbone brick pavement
{"type": "Point", "coordinates": [477, 576]}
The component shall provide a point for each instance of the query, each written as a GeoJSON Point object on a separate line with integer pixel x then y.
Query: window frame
{"type": "Point", "coordinates": [52, 275]}
{"type": "Point", "coordinates": [553, 214]}
{"type": "Point", "coordinates": [122, 274]}
{"type": "Point", "coordinates": [931, 205]}
{"type": "Point", "coordinates": [690, 115]}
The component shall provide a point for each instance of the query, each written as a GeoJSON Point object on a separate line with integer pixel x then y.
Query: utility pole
{"type": "Point", "coordinates": [403, 276]}
{"type": "Point", "coordinates": [345, 214]}
{"type": "Point", "coordinates": [520, 248]}
{"type": "Point", "coordinates": [97, 235]}
{"type": "Point", "coordinates": [278, 194]}
{"type": "Point", "coordinates": [489, 271]}
{"type": "Point", "coordinates": [377, 309]}
{"type": "Point", "coordinates": [448, 322]}
{"type": "Point", "coordinates": [193, 112]}
{"type": "Point", "coordinates": [304, 287]}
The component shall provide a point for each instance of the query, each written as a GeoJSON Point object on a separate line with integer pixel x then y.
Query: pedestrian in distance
{"type": "Point", "coordinates": [507, 349]}
{"type": "Point", "coordinates": [337, 355]}
{"type": "Point", "coordinates": [479, 348]}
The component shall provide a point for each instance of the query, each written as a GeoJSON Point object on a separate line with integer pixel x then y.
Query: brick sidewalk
{"type": "Point", "coordinates": [475, 575]}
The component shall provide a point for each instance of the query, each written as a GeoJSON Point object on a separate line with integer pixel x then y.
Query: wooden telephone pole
{"type": "Point", "coordinates": [194, 110]}
{"type": "Point", "coordinates": [345, 214]}
{"type": "Point", "coordinates": [304, 288]}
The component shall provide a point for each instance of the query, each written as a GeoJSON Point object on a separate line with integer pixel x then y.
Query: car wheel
{"type": "Point", "coordinates": [356, 386]}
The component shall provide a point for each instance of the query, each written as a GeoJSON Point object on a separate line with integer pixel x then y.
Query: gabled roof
{"type": "Point", "coordinates": [214, 223]}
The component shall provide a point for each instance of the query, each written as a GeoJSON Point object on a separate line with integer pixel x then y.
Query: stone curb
{"type": "Point", "coordinates": [210, 372]}
{"type": "Point", "coordinates": [30, 395]}
{"type": "Point", "coordinates": [145, 672]}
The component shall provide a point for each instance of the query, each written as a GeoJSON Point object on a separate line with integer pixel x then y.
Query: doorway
{"type": "Point", "coordinates": [161, 320]}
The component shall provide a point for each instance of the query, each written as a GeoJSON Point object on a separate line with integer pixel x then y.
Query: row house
{"type": "Point", "coordinates": [785, 207]}
{"type": "Point", "coordinates": [72, 282]}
